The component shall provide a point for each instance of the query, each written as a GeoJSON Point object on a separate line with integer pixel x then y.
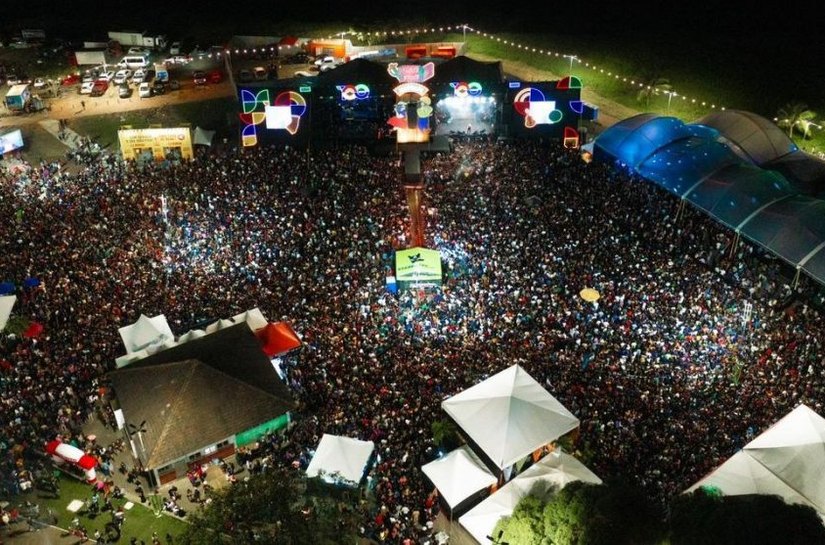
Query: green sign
{"type": "Point", "coordinates": [415, 266]}
{"type": "Point", "coordinates": [253, 434]}
{"type": "Point", "coordinates": [305, 89]}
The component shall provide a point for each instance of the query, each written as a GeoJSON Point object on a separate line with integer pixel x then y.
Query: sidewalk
{"type": "Point", "coordinates": [71, 139]}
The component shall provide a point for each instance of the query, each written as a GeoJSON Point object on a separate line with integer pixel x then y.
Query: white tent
{"type": "Point", "coordinates": [131, 357]}
{"type": "Point", "coordinates": [545, 478]}
{"type": "Point", "coordinates": [255, 318]}
{"type": "Point", "coordinates": [340, 459]}
{"type": "Point", "coordinates": [509, 415]}
{"type": "Point", "coordinates": [203, 137]}
{"type": "Point", "coordinates": [788, 459]}
{"type": "Point", "coordinates": [145, 332]}
{"type": "Point", "coordinates": [6, 304]}
{"type": "Point", "coordinates": [191, 335]}
{"type": "Point", "coordinates": [458, 475]}
{"type": "Point", "coordinates": [217, 326]}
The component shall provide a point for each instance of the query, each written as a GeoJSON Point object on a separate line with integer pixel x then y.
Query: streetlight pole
{"type": "Point", "coordinates": [571, 57]}
{"type": "Point", "coordinates": [669, 98]}
{"type": "Point", "coordinates": [464, 30]}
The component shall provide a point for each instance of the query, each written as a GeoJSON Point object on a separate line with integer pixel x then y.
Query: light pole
{"type": "Point", "coordinates": [571, 57]}
{"type": "Point", "coordinates": [670, 95]}
{"type": "Point", "coordinates": [464, 30]}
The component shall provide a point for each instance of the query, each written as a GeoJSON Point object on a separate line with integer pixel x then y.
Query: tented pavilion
{"type": "Point", "coordinates": [341, 460]}
{"type": "Point", "coordinates": [509, 416]}
{"type": "Point", "coordinates": [787, 460]}
{"type": "Point", "coordinates": [459, 477]}
{"type": "Point", "coordinates": [543, 479]}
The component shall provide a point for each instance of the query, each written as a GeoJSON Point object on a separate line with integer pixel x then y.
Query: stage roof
{"type": "Point", "coordinates": [462, 68]}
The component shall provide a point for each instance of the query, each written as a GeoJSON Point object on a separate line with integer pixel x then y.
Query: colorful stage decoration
{"type": "Point", "coordinates": [577, 106]}
{"type": "Point", "coordinates": [354, 92]}
{"type": "Point", "coordinates": [531, 104]}
{"type": "Point", "coordinates": [571, 138]}
{"type": "Point", "coordinates": [464, 89]}
{"type": "Point", "coordinates": [412, 113]}
{"type": "Point", "coordinates": [411, 73]}
{"type": "Point", "coordinates": [284, 113]}
{"type": "Point", "coordinates": [570, 82]}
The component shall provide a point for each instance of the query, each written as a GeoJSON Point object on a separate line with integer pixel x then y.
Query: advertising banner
{"type": "Point", "coordinates": [418, 266]}
{"type": "Point", "coordinates": [172, 143]}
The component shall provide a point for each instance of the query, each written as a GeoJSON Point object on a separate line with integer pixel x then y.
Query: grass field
{"type": "Point", "coordinates": [140, 521]}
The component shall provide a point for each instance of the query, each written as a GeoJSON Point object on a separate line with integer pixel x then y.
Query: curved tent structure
{"type": "Point", "coordinates": [755, 137]}
{"type": "Point", "coordinates": [459, 475]}
{"type": "Point", "coordinates": [734, 174]}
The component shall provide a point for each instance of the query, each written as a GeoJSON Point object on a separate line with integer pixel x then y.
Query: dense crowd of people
{"type": "Point", "coordinates": [668, 372]}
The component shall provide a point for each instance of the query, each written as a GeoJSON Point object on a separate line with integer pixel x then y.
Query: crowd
{"type": "Point", "coordinates": [667, 372]}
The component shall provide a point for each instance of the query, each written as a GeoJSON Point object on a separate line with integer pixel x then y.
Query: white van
{"type": "Point", "coordinates": [133, 62]}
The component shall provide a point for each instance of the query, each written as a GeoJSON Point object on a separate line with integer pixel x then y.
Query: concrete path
{"type": "Point", "coordinates": [70, 138]}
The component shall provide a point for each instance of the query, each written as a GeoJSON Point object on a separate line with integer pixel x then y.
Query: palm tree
{"type": "Point", "coordinates": [796, 115]}
{"type": "Point", "coordinates": [652, 85]}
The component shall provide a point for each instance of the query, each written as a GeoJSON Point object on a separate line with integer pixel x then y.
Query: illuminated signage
{"type": "Point", "coordinates": [463, 89]}
{"type": "Point", "coordinates": [414, 88]}
{"type": "Point", "coordinates": [412, 113]}
{"type": "Point", "coordinates": [531, 104]}
{"type": "Point", "coordinates": [411, 73]}
{"type": "Point", "coordinates": [571, 138]}
{"type": "Point", "coordinates": [514, 84]}
{"type": "Point", "coordinates": [284, 113]}
{"type": "Point", "coordinates": [134, 142]}
{"type": "Point", "coordinates": [11, 141]}
{"type": "Point", "coordinates": [354, 92]}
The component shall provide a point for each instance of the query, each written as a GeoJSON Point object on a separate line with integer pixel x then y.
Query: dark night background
{"type": "Point", "coordinates": [776, 46]}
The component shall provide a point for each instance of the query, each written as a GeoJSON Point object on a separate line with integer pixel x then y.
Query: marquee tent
{"type": "Point", "coordinates": [788, 459]}
{"type": "Point", "coordinates": [544, 479]}
{"type": "Point", "coordinates": [458, 475]}
{"type": "Point", "coordinates": [255, 318]}
{"type": "Point", "coordinates": [223, 323]}
{"type": "Point", "coordinates": [145, 332]}
{"type": "Point", "coordinates": [340, 459]}
{"type": "Point", "coordinates": [6, 304]}
{"type": "Point", "coordinates": [417, 266]}
{"type": "Point", "coordinates": [509, 415]}
{"type": "Point", "coordinates": [278, 339]}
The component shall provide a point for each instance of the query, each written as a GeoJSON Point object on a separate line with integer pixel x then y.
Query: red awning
{"type": "Point", "coordinates": [278, 338]}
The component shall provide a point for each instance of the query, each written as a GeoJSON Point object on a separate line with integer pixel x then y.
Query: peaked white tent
{"type": "Point", "coordinates": [255, 318]}
{"type": "Point", "coordinates": [145, 332]}
{"type": "Point", "coordinates": [459, 475]}
{"type": "Point", "coordinates": [545, 478]}
{"type": "Point", "coordinates": [220, 324]}
{"type": "Point", "coordinates": [340, 459]}
{"type": "Point", "coordinates": [191, 335]}
{"type": "Point", "coordinates": [131, 357]}
{"type": "Point", "coordinates": [788, 459]}
{"type": "Point", "coordinates": [509, 415]}
{"type": "Point", "coordinates": [6, 304]}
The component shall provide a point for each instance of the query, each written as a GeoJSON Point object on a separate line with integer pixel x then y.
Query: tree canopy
{"type": "Point", "coordinates": [275, 507]}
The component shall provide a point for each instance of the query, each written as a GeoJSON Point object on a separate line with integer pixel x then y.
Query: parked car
{"type": "Point", "coordinates": [327, 63]}
{"type": "Point", "coordinates": [39, 83]}
{"type": "Point", "coordinates": [298, 58]}
{"type": "Point", "coordinates": [14, 79]}
{"type": "Point", "coordinates": [86, 87]}
{"type": "Point", "coordinates": [174, 49]}
{"type": "Point", "coordinates": [122, 76]}
{"type": "Point", "coordinates": [144, 90]}
{"type": "Point", "coordinates": [139, 76]}
{"type": "Point", "coordinates": [260, 73]}
{"type": "Point", "coordinates": [199, 77]}
{"type": "Point", "coordinates": [245, 76]}
{"type": "Point", "coordinates": [107, 76]}
{"type": "Point", "coordinates": [158, 87]}
{"type": "Point", "coordinates": [99, 88]}
{"type": "Point", "coordinates": [178, 59]}
{"type": "Point", "coordinates": [71, 79]}
{"type": "Point", "coordinates": [139, 51]}
{"type": "Point", "coordinates": [305, 74]}
{"type": "Point", "coordinates": [174, 85]}
{"type": "Point", "coordinates": [215, 76]}
{"type": "Point", "coordinates": [124, 91]}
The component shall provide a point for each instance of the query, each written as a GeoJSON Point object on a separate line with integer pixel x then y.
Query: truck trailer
{"type": "Point", "coordinates": [18, 97]}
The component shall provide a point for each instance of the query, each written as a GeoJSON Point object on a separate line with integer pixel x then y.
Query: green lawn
{"type": "Point", "coordinates": [217, 114]}
{"type": "Point", "coordinates": [140, 521]}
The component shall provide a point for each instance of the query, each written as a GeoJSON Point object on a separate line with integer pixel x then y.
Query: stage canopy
{"type": "Point", "coordinates": [418, 267]}
{"type": "Point", "coordinates": [340, 459]}
{"type": "Point", "coordinates": [738, 168]}
{"type": "Point", "coordinates": [509, 415]}
{"type": "Point", "coordinates": [254, 317]}
{"type": "Point", "coordinates": [458, 475]}
{"type": "Point", "coordinates": [278, 339]}
{"type": "Point", "coordinates": [6, 304]}
{"type": "Point", "coordinates": [145, 333]}
{"type": "Point", "coordinates": [543, 479]}
{"type": "Point", "coordinates": [788, 460]}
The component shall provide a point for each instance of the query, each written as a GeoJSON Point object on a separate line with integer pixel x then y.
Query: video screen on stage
{"type": "Point", "coordinates": [272, 114]}
{"type": "Point", "coordinates": [11, 141]}
{"type": "Point", "coordinates": [469, 110]}
{"type": "Point", "coordinates": [550, 109]}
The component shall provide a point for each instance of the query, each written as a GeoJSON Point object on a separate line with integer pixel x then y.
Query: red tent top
{"type": "Point", "coordinates": [278, 338]}
{"type": "Point", "coordinates": [288, 40]}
